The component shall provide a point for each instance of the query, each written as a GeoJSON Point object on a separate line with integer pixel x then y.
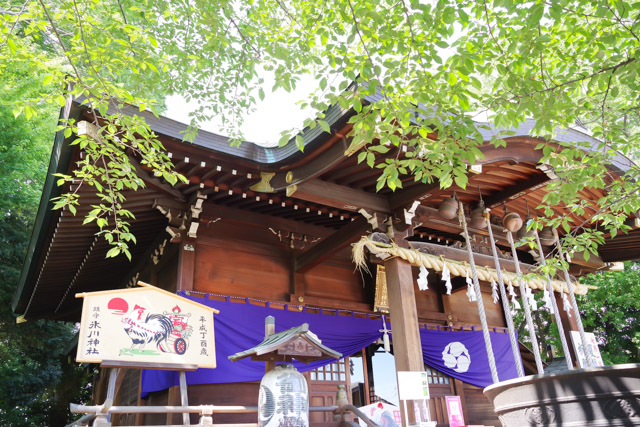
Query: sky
{"type": "Point", "coordinates": [277, 112]}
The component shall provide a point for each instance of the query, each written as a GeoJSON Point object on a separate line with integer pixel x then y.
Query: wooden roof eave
{"type": "Point", "coordinates": [59, 162]}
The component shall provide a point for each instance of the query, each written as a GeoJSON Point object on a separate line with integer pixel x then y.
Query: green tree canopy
{"type": "Point", "coordinates": [33, 354]}
{"type": "Point", "coordinates": [434, 67]}
{"type": "Point", "coordinates": [612, 312]}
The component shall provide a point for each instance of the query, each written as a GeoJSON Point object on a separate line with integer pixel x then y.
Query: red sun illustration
{"type": "Point", "coordinates": [118, 306]}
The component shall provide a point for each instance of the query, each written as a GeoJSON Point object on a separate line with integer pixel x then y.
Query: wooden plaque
{"type": "Point", "coordinates": [145, 326]}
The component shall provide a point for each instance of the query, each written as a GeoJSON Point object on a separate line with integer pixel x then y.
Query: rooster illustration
{"type": "Point", "coordinates": [154, 328]}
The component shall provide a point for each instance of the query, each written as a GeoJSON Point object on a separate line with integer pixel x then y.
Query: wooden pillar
{"type": "Point", "coordinates": [407, 348]}
{"type": "Point", "coordinates": [186, 266]}
{"type": "Point", "coordinates": [365, 374]}
{"type": "Point", "coordinates": [173, 399]}
{"type": "Point", "coordinates": [568, 324]}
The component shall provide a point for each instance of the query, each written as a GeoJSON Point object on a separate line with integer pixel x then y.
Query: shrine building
{"type": "Point", "coordinates": [260, 231]}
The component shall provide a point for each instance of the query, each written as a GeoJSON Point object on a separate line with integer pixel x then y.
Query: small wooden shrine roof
{"type": "Point", "coordinates": [296, 343]}
{"type": "Point", "coordinates": [319, 194]}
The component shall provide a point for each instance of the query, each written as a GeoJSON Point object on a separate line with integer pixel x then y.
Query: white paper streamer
{"type": "Point", "coordinates": [565, 304]}
{"type": "Point", "coordinates": [494, 291]}
{"type": "Point", "coordinates": [515, 304]}
{"type": "Point", "coordinates": [423, 282]}
{"type": "Point", "coordinates": [547, 301]}
{"type": "Point", "coordinates": [511, 291]}
{"type": "Point", "coordinates": [530, 298]}
{"type": "Point", "coordinates": [446, 277]}
{"type": "Point", "coordinates": [470, 292]}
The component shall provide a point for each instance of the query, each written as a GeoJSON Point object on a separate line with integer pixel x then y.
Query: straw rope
{"type": "Point", "coordinates": [457, 268]}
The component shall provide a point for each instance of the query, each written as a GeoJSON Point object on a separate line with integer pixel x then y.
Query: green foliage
{"type": "Point", "coordinates": [612, 313]}
{"type": "Point", "coordinates": [415, 73]}
{"type": "Point", "coordinates": [32, 354]}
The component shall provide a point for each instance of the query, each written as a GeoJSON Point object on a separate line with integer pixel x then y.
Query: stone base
{"type": "Point", "coordinates": [606, 396]}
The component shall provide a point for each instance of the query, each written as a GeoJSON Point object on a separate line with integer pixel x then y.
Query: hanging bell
{"type": "Point", "coordinates": [477, 217]}
{"type": "Point", "coordinates": [512, 222]}
{"type": "Point", "coordinates": [448, 208]}
{"type": "Point", "coordinates": [546, 237]}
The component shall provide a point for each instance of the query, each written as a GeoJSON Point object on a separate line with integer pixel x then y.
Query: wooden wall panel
{"type": "Point", "coordinates": [479, 409]}
{"type": "Point", "coordinates": [428, 300]}
{"type": "Point", "coordinates": [238, 273]}
{"type": "Point", "coordinates": [466, 312]}
{"type": "Point", "coordinates": [226, 395]}
{"type": "Point", "coordinates": [167, 275]}
{"type": "Point", "coordinates": [334, 282]}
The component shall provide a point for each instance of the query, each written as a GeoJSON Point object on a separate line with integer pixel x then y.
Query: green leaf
{"type": "Point", "coordinates": [113, 252]}
{"type": "Point", "coordinates": [17, 110]}
{"type": "Point", "coordinates": [324, 125]}
{"type": "Point", "coordinates": [284, 140]}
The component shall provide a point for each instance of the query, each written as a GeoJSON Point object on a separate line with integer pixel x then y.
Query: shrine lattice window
{"type": "Point", "coordinates": [335, 371]}
{"type": "Point", "coordinates": [436, 377]}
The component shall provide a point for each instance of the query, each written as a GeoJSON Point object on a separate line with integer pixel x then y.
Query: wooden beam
{"type": "Point", "coordinates": [186, 266]}
{"type": "Point", "coordinates": [330, 245]}
{"type": "Point", "coordinates": [219, 211]}
{"type": "Point", "coordinates": [516, 191]}
{"type": "Point", "coordinates": [154, 182]}
{"type": "Point", "coordinates": [320, 160]}
{"type": "Point", "coordinates": [330, 303]}
{"type": "Point", "coordinates": [428, 217]}
{"type": "Point", "coordinates": [404, 198]}
{"type": "Point", "coordinates": [340, 196]}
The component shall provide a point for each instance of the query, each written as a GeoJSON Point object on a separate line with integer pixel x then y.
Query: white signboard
{"type": "Point", "coordinates": [580, 353]}
{"type": "Point", "coordinates": [413, 385]}
{"type": "Point", "coordinates": [145, 325]}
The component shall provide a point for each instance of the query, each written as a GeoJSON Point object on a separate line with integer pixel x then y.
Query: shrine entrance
{"type": "Point", "coordinates": [323, 383]}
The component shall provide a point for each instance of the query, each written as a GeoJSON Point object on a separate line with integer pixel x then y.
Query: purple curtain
{"type": "Point", "coordinates": [240, 326]}
{"type": "Point", "coordinates": [463, 355]}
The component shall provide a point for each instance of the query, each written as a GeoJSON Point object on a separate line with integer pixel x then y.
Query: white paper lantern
{"type": "Point", "coordinates": [283, 399]}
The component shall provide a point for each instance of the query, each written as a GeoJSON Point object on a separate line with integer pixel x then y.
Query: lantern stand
{"type": "Point", "coordinates": [284, 396]}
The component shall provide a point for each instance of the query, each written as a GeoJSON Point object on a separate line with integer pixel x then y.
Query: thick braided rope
{"type": "Point", "coordinates": [479, 301]}
{"type": "Point", "coordinates": [556, 312]}
{"type": "Point", "coordinates": [505, 306]}
{"type": "Point", "coordinates": [527, 309]}
{"type": "Point", "coordinates": [436, 263]}
{"type": "Point", "coordinates": [576, 312]}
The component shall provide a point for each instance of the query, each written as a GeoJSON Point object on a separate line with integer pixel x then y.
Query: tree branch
{"type": "Point", "coordinates": [24, 5]}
